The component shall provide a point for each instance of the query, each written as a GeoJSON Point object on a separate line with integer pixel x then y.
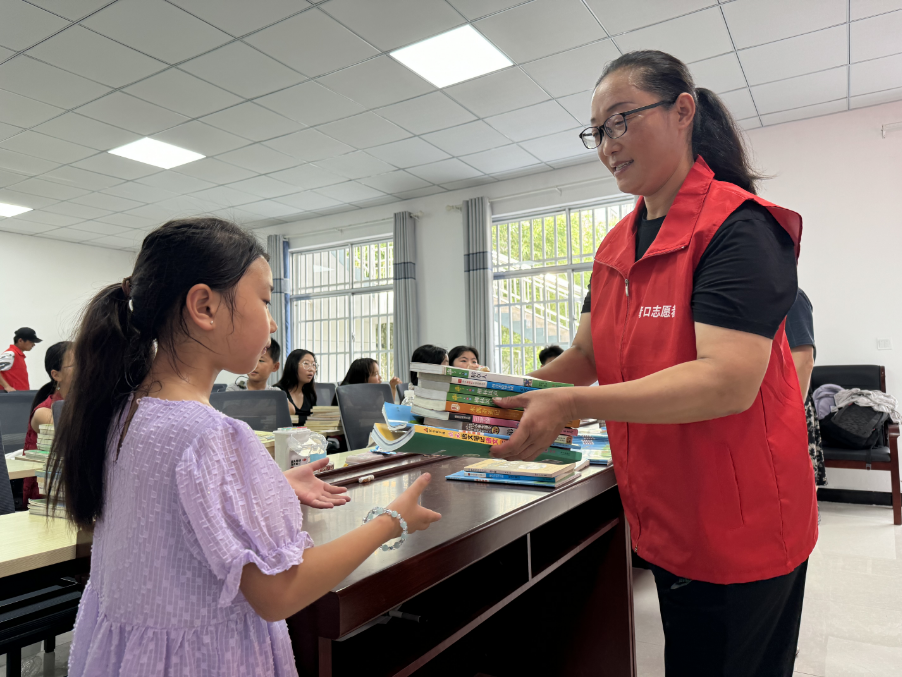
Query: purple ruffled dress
{"type": "Point", "coordinates": [192, 498]}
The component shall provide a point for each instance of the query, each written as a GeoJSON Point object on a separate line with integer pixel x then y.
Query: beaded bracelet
{"type": "Point", "coordinates": [375, 512]}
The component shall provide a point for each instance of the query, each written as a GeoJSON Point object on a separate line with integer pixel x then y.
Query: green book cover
{"type": "Point", "coordinates": [485, 376]}
{"type": "Point", "coordinates": [482, 392]}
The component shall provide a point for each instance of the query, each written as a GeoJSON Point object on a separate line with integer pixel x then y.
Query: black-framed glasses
{"type": "Point", "coordinates": [614, 126]}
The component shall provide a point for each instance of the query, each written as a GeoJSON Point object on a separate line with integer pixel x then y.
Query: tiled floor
{"type": "Point", "coordinates": [852, 618]}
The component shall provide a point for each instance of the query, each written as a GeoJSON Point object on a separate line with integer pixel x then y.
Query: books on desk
{"type": "Point", "coordinates": [596, 448]}
{"type": "Point", "coordinates": [525, 473]}
{"type": "Point", "coordinates": [324, 420]}
{"type": "Point", "coordinates": [505, 428]}
{"type": "Point", "coordinates": [41, 506]}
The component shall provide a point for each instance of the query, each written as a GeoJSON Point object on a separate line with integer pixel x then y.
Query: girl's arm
{"type": "Point", "coordinates": [576, 365]}
{"type": "Point", "coordinates": [40, 417]}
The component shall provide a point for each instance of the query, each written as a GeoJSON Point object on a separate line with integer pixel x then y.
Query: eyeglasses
{"type": "Point", "coordinates": [309, 365]}
{"type": "Point", "coordinates": [614, 126]}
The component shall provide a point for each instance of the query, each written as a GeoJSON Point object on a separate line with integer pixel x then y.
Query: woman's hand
{"type": "Point", "coordinates": [546, 413]}
{"type": "Point", "coordinates": [394, 383]}
{"type": "Point", "coordinates": [407, 505]}
{"type": "Point", "coordinates": [311, 490]}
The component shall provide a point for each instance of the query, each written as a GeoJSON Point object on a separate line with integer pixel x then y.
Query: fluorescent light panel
{"type": "Point", "coordinates": [452, 57]}
{"type": "Point", "coordinates": [157, 153]}
{"type": "Point", "coordinates": [12, 210]}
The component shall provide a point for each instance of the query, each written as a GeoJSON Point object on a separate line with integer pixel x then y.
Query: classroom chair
{"type": "Point", "coordinates": [265, 410]}
{"type": "Point", "coordinates": [360, 405]}
{"type": "Point", "coordinates": [15, 412]}
{"type": "Point", "coordinates": [56, 409]}
{"type": "Point", "coordinates": [866, 377]}
{"type": "Point", "coordinates": [325, 393]}
{"type": "Point", "coordinates": [401, 387]}
{"type": "Point", "coordinates": [219, 387]}
{"type": "Point", "coordinates": [7, 503]}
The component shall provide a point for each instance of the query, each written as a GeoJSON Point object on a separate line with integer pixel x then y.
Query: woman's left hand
{"type": "Point", "coordinates": [546, 413]}
{"type": "Point", "coordinates": [311, 490]}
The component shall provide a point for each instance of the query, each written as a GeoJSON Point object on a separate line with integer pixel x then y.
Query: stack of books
{"type": "Point", "coordinates": [527, 473]}
{"type": "Point", "coordinates": [324, 420]}
{"type": "Point", "coordinates": [41, 507]}
{"type": "Point", "coordinates": [45, 442]}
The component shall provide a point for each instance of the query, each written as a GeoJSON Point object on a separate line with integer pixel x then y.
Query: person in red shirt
{"type": "Point", "coordinates": [684, 332]}
{"type": "Point", "coordinates": [13, 371]}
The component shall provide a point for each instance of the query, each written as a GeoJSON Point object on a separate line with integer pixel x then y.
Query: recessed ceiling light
{"type": "Point", "coordinates": [452, 57]}
{"type": "Point", "coordinates": [12, 210]}
{"type": "Point", "coordinates": [157, 153]}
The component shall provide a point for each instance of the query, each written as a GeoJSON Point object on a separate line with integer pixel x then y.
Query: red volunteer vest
{"type": "Point", "coordinates": [730, 500]}
{"type": "Point", "coordinates": [17, 375]}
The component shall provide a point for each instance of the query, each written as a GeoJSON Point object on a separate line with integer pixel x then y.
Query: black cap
{"type": "Point", "coordinates": [26, 334]}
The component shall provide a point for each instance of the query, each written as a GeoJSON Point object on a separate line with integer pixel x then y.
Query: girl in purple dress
{"type": "Point", "coordinates": [199, 553]}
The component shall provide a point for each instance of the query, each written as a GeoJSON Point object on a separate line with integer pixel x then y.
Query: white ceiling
{"type": "Point", "coordinates": [301, 112]}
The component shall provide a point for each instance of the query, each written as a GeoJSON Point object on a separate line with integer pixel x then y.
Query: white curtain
{"type": "Point", "coordinates": [478, 274]}
{"type": "Point", "coordinates": [275, 246]}
{"type": "Point", "coordinates": [406, 334]}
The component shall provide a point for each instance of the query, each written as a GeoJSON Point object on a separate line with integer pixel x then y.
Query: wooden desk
{"type": "Point", "coordinates": [18, 469]}
{"type": "Point", "coordinates": [32, 542]}
{"type": "Point", "coordinates": [505, 564]}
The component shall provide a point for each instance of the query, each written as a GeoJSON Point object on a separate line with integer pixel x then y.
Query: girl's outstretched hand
{"type": "Point", "coordinates": [407, 504]}
{"type": "Point", "coordinates": [311, 490]}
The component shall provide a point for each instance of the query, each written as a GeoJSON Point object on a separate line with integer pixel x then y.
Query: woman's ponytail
{"type": "Point", "coordinates": [715, 135]}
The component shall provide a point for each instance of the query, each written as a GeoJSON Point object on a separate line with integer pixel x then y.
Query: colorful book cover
{"type": "Point", "coordinates": [433, 380]}
{"type": "Point", "coordinates": [500, 476]}
{"type": "Point", "coordinates": [532, 468]}
{"type": "Point", "coordinates": [462, 476]}
{"type": "Point", "coordinates": [485, 376]}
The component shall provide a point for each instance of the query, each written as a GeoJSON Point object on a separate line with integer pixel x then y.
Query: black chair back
{"type": "Point", "coordinates": [15, 415]}
{"type": "Point", "coordinates": [7, 504]}
{"type": "Point", "coordinates": [57, 410]}
{"type": "Point", "coordinates": [265, 410]}
{"type": "Point", "coordinates": [325, 393]}
{"type": "Point", "coordinates": [401, 387]}
{"type": "Point", "coordinates": [360, 405]}
{"type": "Point", "coordinates": [864, 376]}
{"type": "Point", "coordinates": [219, 387]}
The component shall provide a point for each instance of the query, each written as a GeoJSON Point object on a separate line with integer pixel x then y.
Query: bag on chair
{"type": "Point", "coordinates": [854, 427]}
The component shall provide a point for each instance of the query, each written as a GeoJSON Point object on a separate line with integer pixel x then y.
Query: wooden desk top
{"type": "Point", "coordinates": [18, 469]}
{"type": "Point", "coordinates": [31, 541]}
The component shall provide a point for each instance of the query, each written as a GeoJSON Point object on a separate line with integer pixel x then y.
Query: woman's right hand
{"type": "Point", "coordinates": [407, 504]}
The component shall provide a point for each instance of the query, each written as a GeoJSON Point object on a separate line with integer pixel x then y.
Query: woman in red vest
{"type": "Point", "coordinates": [685, 336]}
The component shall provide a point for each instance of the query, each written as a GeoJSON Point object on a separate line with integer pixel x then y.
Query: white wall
{"type": "Point", "coordinates": [45, 285]}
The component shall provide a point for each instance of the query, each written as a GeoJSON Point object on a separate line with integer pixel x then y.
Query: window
{"type": "Point", "coordinates": [342, 305]}
{"type": "Point", "coordinates": [542, 263]}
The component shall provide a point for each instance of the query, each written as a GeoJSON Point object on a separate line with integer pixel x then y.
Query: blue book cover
{"type": "Point", "coordinates": [494, 385]}
{"type": "Point", "coordinates": [498, 476]}
{"type": "Point", "coordinates": [532, 482]}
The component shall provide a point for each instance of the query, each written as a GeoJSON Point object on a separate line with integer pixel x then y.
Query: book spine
{"type": "Point", "coordinates": [479, 410]}
{"type": "Point", "coordinates": [458, 435]}
{"type": "Point", "coordinates": [470, 399]}
{"type": "Point", "coordinates": [499, 476]}
{"type": "Point", "coordinates": [531, 483]}
{"type": "Point", "coordinates": [490, 385]}
{"type": "Point", "coordinates": [484, 376]}
{"type": "Point", "coordinates": [488, 429]}
{"type": "Point", "coordinates": [482, 392]}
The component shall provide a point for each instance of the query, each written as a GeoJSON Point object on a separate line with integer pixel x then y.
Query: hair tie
{"type": "Point", "coordinates": [127, 287]}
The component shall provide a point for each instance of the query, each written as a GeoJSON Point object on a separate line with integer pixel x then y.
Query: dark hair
{"type": "Point", "coordinates": [428, 354]}
{"type": "Point", "coordinates": [550, 351]}
{"type": "Point", "coordinates": [715, 135]}
{"type": "Point", "coordinates": [273, 350]}
{"type": "Point", "coordinates": [118, 337]}
{"type": "Point", "coordinates": [457, 351]}
{"type": "Point", "coordinates": [359, 371]}
{"type": "Point", "coordinates": [53, 361]}
{"type": "Point", "coordinates": [290, 380]}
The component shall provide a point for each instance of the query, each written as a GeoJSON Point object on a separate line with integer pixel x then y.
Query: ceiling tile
{"type": "Point", "coordinates": [350, 192]}
{"type": "Point", "coordinates": [876, 75]}
{"type": "Point", "coordinates": [620, 17]}
{"type": "Point", "coordinates": [226, 196]}
{"type": "Point", "coordinates": [540, 28]}
{"type": "Point", "coordinates": [689, 38]}
{"type": "Point", "coordinates": [877, 36]}
{"type": "Point", "coordinates": [113, 242]}
{"type": "Point", "coordinates": [153, 213]}
{"type": "Point", "coordinates": [355, 165]}
{"type": "Point", "coordinates": [178, 184]}
{"type": "Point", "coordinates": [40, 81]}
{"type": "Point", "coordinates": [310, 103]}
{"type": "Point", "coordinates": [804, 90]}
{"type": "Point", "coordinates": [364, 130]}
{"type": "Point", "coordinates": [120, 167]}
{"type": "Point", "coordinates": [215, 171]}
{"type": "Point", "coordinates": [474, 9]}
{"type": "Point", "coordinates": [55, 191]}
{"type": "Point", "coordinates": [408, 153]}
{"type": "Point", "coordinates": [24, 112]}
{"type": "Point", "coordinates": [252, 122]}
{"type": "Point", "coordinates": [469, 183]}
{"type": "Point", "coordinates": [754, 22]}
{"type": "Point", "coordinates": [131, 113]}
{"type": "Point", "coordinates": [427, 113]}
{"type": "Point", "coordinates": [23, 24]}
{"type": "Point", "coordinates": [859, 9]}
{"type": "Point", "coordinates": [76, 210]}
{"type": "Point", "coordinates": [242, 70]}
{"type": "Point", "coordinates": [497, 92]}
{"type": "Point", "coordinates": [464, 139]}
{"type": "Point", "coordinates": [309, 201]}
{"type": "Point", "coordinates": [17, 225]}
{"type": "Point", "coordinates": [377, 82]}
{"type": "Point", "coordinates": [71, 9]}
{"type": "Point", "coordinates": [46, 218]}
{"type": "Point", "coordinates": [156, 28]}
{"type": "Point", "coordinates": [47, 147]}
{"type": "Point", "coordinates": [739, 103]}
{"type": "Point", "coordinates": [70, 235]}
{"type": "Point", "coordinates": [86, 131]}
{"type": "Point", "coordinates": [805, 112]}
{"type": "Point", "coordinates": [387, 24]}
{"type": "Point", "coordinates": [93, 56]}
{"type": "Point", "coordinates": [578, 105]}
{"type": "Point", "coordinates": [259, 159]}
{"type": "Point", "coordinates": [7, 131]}
{"type": "Point", "coordinates": [264, 186]}
{"type": "Point", "coordinates": [394, 182]}
{"type": "Point", "coordinates": [25, 164]}
{"type": "Point", "coordinates": [14, 197]}
{"type": "Point", "coordinates": [309, 145]}
{"type": "Point", "coordinates": [239, 17]}
{"type": "Point", "coordinates": [534, 121]}
{"type": "Point", "coordinates": [876, 98]}
{"type": "Point", "coordinates": [557, 146]}
{"type": "Point", "coordinates": [802, 54]}
{"type": "Point", "coordinates": [312, 43]}
{"type": "Point", "coordinates": [269, 208]}
{"type": "Point", "coordinates": [128, 221]}
{"type": "Point", "coordinates": [10, 178]}
{"type": "Point", "coordinates": [444, 171]}
{"type": "Point", "coordinates": [6, 53]}
{"type": "Point", "coordinates": [80, 178]}
{"type": "Point", "coordinates": [749, 123]}
{"type": "Point", "coordinates": [307, 177]}
{"type": "Point", "coordinates": [500, 159]}
{"type": "Point", "coordinates": [720, 74]}
{"type": "Point", "coordinates": [201, 138]}
{"type": "Point", "coordinates": [111, 202]}
{"type": "Point", "coordinates": [572, 71]}
{"type": "Point", "coordinates": [183, 93]}
{"type": "Point", "coordinates": [101, 228]}
{"type": "Point", "coordinates": [420, 192]}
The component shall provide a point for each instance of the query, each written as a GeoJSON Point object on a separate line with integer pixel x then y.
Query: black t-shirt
{"type": "Point", "coordinates": [746, 278]}
{"type": "Point", "coordinates": [800, 322]}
